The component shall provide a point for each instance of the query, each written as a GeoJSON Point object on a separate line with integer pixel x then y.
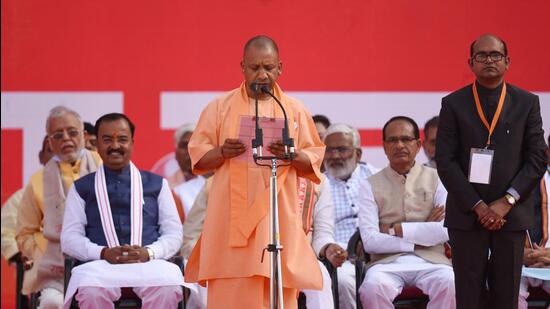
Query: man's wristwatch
{"type": "Point", "coordinates": [151, 253]}
{"type": "Point", "coordinates": [510, 199]}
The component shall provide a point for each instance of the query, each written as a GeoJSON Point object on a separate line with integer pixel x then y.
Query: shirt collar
{"type": "Point", "coordinates": [413, 170]}
{"type": "Point", "coordinates": [125, 171]}
{"type": "Point", "coordinates": [486, 91]}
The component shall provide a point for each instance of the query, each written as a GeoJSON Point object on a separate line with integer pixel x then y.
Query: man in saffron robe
{"type": "Point", "coordinates": [236, 229]}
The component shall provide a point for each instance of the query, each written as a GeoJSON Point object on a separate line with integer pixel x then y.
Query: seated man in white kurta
{"type": "Point", "coordinates": [124, 224]}
{"type": "Point", "coordinates": [536, 260]}
{"type": "Point", "coordinates": [400, 220]}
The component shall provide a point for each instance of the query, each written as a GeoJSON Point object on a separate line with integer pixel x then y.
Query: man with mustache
{"type": "Point", "coordinates": [41, 211]}
{"type": "Point", "coordinates": [123, 223]}
{"type": "Point", "coordinates": [10, 251]}
{"type": "Point", "coordinates": [182, 135]}
{"type": "Point", "coordinates": [400, 220]}
{"type": "Point", "coordinates": [490, 155]}
{"type": "Point", "coordinates": [236, 229]}
{"type": "Point", "coordinates": [345, 173]}
{"type": "Point", "coordinates": [430, 134]}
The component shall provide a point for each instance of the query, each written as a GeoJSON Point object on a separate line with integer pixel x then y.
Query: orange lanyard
{"type": "Point", "coordinates": [497, 113]}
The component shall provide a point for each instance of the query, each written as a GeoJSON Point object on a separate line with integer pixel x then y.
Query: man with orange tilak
{"type": "Point", "coordinates": [228, 255]}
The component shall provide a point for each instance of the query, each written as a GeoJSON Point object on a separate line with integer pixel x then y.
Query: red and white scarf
{"type": "Point", "coordinates": [136, 207]}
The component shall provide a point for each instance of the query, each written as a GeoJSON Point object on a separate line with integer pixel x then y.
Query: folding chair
{"type": "Point", "coordinates": [334, 286]}
{"type": "Point", "coordinates": [128, 298]}
{"type": "Point", "coordinates": [21, 301]}
{"type": "Point", "coordinates": [410, 297]}
{"type": "Point", "coordinates": [538, 298]}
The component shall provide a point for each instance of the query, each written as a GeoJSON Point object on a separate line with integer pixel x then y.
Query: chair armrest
{"type": "Point", "coordinates": [178, 260]}
{"type": "Point", "coordinates": [70, 263]}
{"type": "Point", "coordinates": [332, 271]}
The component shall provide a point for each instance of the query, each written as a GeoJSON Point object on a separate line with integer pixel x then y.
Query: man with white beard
{"type": "Point", "coordinates": [345, 174]}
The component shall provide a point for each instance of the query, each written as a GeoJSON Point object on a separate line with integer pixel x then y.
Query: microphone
{"type": "Point", "coordinates": [255, 87]}
{"type": "Point", "coordinates": [287, 141]}
{"type": "Point", "coordinates": [258, 141]}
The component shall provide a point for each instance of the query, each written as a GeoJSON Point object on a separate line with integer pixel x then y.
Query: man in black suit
{"type": "Point", "coordinates": [490, 155]}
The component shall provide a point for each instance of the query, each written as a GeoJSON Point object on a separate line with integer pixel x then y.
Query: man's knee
{"type": "Point", "coordinates": [94, 294]}
{"type": "Point", "coordinates": [380, 286]}
{"type": "Point", "coordinates": [346, 281]}
{"type": "Point", "coordinates": [170, 293]}
{"type": "Point", "coordinates": [444, 282]}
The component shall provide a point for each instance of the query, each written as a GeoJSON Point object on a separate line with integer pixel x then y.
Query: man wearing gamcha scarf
{"type": "Point", "coordinates": [124, 224]}
{"type": "Point", "coordinates": [41, 210]}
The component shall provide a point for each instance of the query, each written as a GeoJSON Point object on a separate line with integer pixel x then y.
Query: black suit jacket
{"type": "Point", "coordinates": [519, 159]}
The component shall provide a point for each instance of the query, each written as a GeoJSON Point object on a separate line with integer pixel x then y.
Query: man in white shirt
{"type": "Point", "coordinates": [400, 220]}
{"type": "Point", "coordinates": [536, 260]}
{"type": "Point", "coordinates": [345, 174]}
{"type": "Point", "coordinates": [124, 224]}
{"type": "Point", "coordinates": [182, 135]}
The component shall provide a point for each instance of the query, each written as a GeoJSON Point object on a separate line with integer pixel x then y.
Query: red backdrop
{"type": "Point", "coordinates": [144, 47]}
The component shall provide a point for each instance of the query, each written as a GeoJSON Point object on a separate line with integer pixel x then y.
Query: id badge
{"type": "Point", "coordinates": [481, 162]}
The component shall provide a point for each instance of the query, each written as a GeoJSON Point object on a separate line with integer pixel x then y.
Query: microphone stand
{"type": "Point", "coordinates": [274, 247]}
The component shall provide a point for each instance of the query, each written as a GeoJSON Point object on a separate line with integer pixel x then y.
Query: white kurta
{"type": "Point", "coordinates": [158, 272]}
{"type": "Point", "coordinates": [535, 276]}
{"type": "Point", "coordinates": [188, 192]}
{"type": "Point", "coordinates": [387, 280]}
{"type": "Point", "coordinates": [322, 234]}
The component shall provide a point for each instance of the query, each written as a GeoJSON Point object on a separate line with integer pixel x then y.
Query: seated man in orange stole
{"type": "Point", "coordinates": [236, 229]}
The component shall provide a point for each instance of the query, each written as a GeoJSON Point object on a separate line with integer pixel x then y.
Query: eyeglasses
{"type": "Point", "coordinates": [482, 56]}
{"type": "Point", "coordinates": [393, 140]}
{"type": "Point", "coordinates": [343, 151]}
{"type": "Point", "coordinates": [60, 134]}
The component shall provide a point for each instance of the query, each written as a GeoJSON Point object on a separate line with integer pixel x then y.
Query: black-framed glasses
{"type": "Point", "coordinates": [58, 135]}
{"type": "Point", "coordinates": [482, 56]}
{"type": "Point", "coordinates": [343, 151]}
{"type": "Point", "coordinates": [393, 140]}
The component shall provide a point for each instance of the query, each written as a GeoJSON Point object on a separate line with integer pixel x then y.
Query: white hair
{"type": "Point", "coordinates": [346, 130]}
{"type": "Point", "coordinates": [182, 130]}
{"type": "Point", "coordinates": [60, 111]}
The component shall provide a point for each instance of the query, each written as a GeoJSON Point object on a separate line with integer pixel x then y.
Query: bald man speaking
{"type": "Point", "coordinates": [236, 228]}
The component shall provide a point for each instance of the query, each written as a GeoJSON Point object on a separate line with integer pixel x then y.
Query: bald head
{"type": "Point", "coordinates": [485, 38]}
{"type": "Point", "coordinates": [261, 64]}
{"type": "Point", "coordinates": [261, 42]}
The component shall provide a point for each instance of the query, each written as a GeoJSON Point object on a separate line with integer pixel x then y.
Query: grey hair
{"type": "Point", "coordinates": [347, 130]}
{"type": "Point", "coordinates": [185, 128]}
{"type": "Point", "coordinates": [60, 111]}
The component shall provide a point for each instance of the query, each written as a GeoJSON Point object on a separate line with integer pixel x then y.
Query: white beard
{"type": "Point", "coordinates": [343, 172]}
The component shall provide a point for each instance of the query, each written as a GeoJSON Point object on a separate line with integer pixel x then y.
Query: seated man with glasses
{"type": "Point", "coordinates": [40, 214]}
{"type": "Point", "coordinates": [345, 174]}
{"type": "Point", "coordinates": [400, 220]}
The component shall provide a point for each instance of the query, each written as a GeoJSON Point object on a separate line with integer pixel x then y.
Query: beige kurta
{"type": "Point", "coordinates": [237, 222]}
{"type": "Point", "coordinates": [35, 229]}
{"type": "Point", "coordinates": [9, 220]}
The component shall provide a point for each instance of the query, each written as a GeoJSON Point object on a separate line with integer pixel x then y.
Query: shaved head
{"type": "Point", "coordinates": [261, 42]}
{"type": "Point", "coordinates": [261, 64]}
